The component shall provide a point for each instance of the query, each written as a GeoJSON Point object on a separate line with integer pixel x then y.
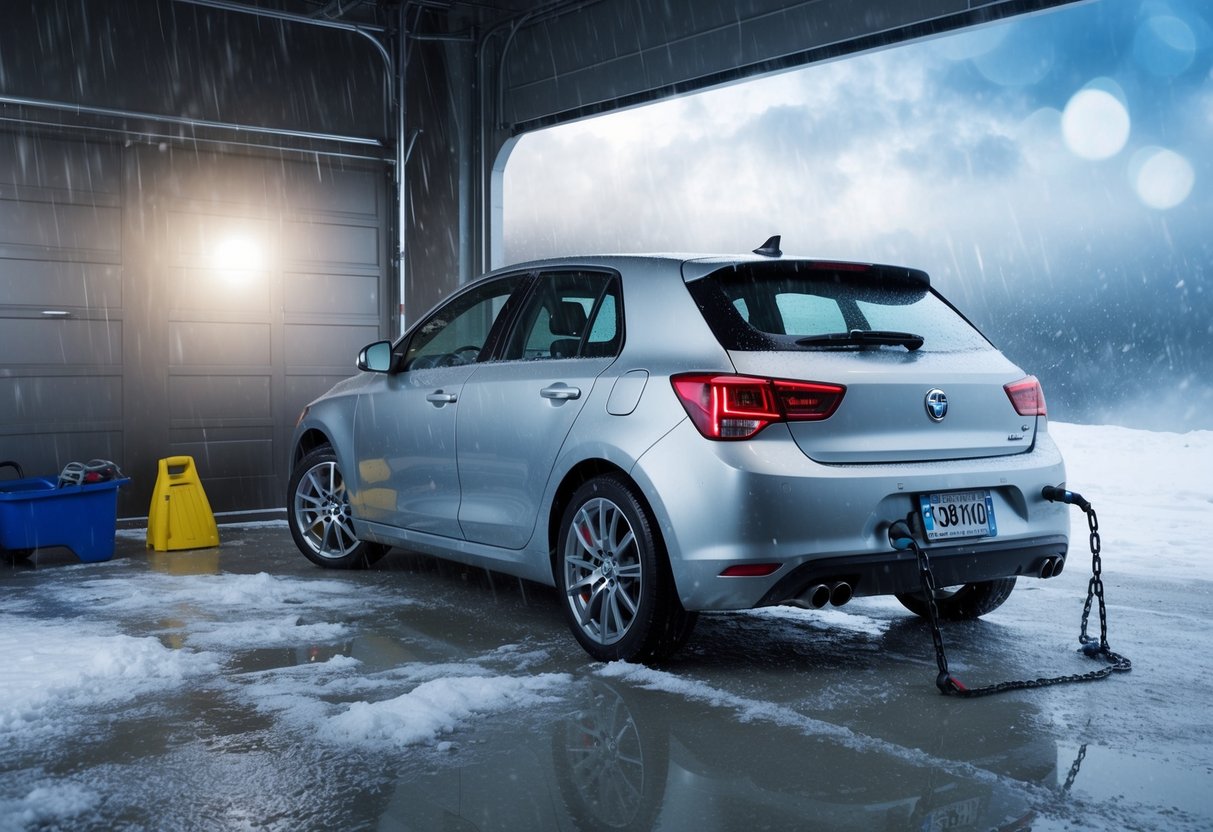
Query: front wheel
{"type": "Point", "coordinates": [620, 600]}
{"type": "Point", "coordinates": [962, 603]}
{"type": "Point", "coordinates": [318, 510]}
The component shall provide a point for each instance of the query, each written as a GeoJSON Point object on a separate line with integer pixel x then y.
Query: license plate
{"type": "Point", "coordinates": [962, 815]}
{"type": "Point", "coordinates": [955, 514]}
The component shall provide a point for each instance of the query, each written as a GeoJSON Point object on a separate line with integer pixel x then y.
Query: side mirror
{"type": "Point", "coordinates": [376, 357]}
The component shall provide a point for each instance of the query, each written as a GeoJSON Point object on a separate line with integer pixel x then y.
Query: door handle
{"type": "Point", "coordinates": [440, 398]}
{"type": "Point", "coordinates": [560, 392]}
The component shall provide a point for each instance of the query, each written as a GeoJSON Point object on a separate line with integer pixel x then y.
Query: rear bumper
{"type": "Point", "coordinates": [720, 504]}
{"type": "Point", "coordinates": [896, 572]}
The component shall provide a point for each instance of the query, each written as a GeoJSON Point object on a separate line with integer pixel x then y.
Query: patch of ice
{"type": "Point", "coordinates": [225, 591]}
{"type": "Point", "coordinates": [437, 707]}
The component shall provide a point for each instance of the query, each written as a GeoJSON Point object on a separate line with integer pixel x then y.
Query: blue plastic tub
{"type": "Point", "coordinates": [36, 514]}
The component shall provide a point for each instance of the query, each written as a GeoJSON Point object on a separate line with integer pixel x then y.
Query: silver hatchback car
{"type": "Point", "coordinates": [660, 435]}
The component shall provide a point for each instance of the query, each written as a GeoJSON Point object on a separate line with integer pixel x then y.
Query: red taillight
{"type": "Point", "coordinates": [1027, 397]}
{"type": "Point", "coordinates": [737, 407]}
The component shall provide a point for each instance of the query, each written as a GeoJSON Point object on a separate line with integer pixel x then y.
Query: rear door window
{"type": "Point", "coordinates": [568, 315]}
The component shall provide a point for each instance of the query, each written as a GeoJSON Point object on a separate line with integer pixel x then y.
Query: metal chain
{"type": "Point", "coordinates": [950, 685]}
{"type": "Point", "coordinates": [1074, 768]}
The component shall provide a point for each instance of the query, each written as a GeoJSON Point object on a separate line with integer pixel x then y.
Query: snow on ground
{"type": "Point", "coordinates": [1152, 493]}
{"type": "Point", "coordinates": [437, 707]}
{"type": "Point", "coordinates": [47, 667]}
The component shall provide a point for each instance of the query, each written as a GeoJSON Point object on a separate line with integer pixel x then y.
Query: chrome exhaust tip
{"type": "Point", "coordinates": [1048, 568]}
{"type": "Point", "coordinates": [815, 597]}
{"type": "Point", "coordinates": [840, 593]}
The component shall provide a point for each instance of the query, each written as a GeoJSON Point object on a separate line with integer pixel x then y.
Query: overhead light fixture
{"type": "Point", "coordinates": [236, 258]}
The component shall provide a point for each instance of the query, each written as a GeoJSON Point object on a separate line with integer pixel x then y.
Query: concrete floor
{"type": "Point", "coordinates": [772, 720]}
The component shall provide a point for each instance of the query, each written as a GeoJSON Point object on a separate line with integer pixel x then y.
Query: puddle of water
{"type": "Point", "coordinates": [1148, 779]}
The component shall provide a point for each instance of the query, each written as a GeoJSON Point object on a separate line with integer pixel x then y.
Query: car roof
{"type": "Point", "coordinates": [692, 265]}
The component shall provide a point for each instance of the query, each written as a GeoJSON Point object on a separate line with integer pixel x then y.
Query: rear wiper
{"type": "Point", "coordinates": [863, 338]}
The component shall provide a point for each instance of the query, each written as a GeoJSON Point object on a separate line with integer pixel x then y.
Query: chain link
{"type": "Point", "coordinates": [949, 685]}
{"type": "Point", "coordinates": [1074, 768]}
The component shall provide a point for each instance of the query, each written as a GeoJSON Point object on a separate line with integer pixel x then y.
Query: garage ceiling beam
{"type": "Point", "coordinates": [185, 121]}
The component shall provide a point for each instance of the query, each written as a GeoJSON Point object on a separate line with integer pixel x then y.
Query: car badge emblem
{"type": "Point", "coordinates": [937, 405]}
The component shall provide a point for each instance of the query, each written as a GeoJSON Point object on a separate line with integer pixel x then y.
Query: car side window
{"type": "Point", "coordinates": [457, 332]}
{"type": "Point", "coordinates": [568, 315]}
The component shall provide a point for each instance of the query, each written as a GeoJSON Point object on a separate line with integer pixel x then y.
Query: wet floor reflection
{"type": "Point", "coordinates": [765, 722]}
{"type": "Point", "coordinates": [633, 759]}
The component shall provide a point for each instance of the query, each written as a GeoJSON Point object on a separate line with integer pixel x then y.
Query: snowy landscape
{"type": "Point", "coordinates": [135, 695]}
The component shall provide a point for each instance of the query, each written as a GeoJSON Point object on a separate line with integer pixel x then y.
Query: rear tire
{"type": "Point", "coordinates": [962, 603]}
{"type": "Point", "coordinates": [611, 569]}
{"type": "Point", "coordinates": [318, 512]}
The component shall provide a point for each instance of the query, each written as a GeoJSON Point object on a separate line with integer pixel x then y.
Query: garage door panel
{"type": "Point", "coordinates": [338, 294]}
{"type": "Point", "coordinates": [220, 400]}
{"type": "Point", "coordinates": [230, 292]}
{"type": "Point", "coordinates": [331, 244]}
{"type": "Point", "coordinates": [28, 225]}
{"type": "Point", "coordinates": [226, 454]}
{"type": "Point", "coordinates": [211, 343]}
{"type": "Point", "coordinates": [39, 342]}
{"type": "Point", "coordinates": [326, 346]}
{"type": "Point", "coordinates": [54, 284]}
{"type": "Point", "coordinates": [216, 240]}
{"type": "Point", "coordinates": [332, 192]}
{"type": "Point", "coordinates": [55, 401]}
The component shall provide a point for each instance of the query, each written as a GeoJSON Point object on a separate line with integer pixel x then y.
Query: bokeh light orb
{"type": "Point", "coordinates": [1162, 178]}
{"type": "Point", "coordinates": [1095, 124]}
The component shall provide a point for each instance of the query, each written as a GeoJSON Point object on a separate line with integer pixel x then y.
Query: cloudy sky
{"type": "Point", "coordinates": [1054, 174]}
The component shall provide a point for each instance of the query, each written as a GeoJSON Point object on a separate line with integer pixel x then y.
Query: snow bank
{"type": "Point", "coordinates": [1152, 493]}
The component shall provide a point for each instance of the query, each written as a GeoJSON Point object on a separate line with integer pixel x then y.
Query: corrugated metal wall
{"type": "Point", "coordinates": [156, 301]}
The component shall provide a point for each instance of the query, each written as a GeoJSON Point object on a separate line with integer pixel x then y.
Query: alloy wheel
{"type": "Point", "coordinates": [602, 571]}
{"type": "Point", "coordinates": [322, 512]}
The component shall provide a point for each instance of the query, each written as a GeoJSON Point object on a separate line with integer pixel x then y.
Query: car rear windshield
{"type": "Point", "coordinates": [814, 306]}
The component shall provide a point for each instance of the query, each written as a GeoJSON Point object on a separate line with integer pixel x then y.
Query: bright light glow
{"type": "Point", "coordinates": [1095, 124]}
{"type": "Point", "coordinates": [1161, 177]}
{"type": "Point", "coordinates": [236, 258]}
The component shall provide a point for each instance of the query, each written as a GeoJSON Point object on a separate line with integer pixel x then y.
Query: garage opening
{"type": "Point", "coordinates": [1052, 173]}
